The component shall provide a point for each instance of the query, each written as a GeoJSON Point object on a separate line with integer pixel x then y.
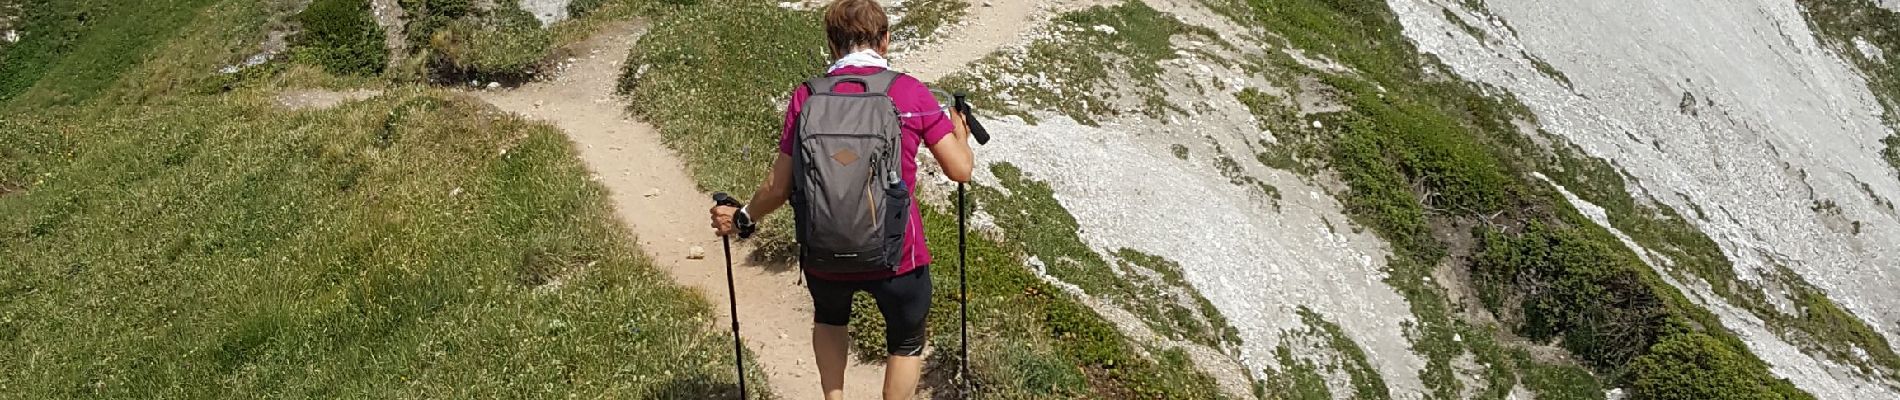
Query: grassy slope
{"type": "Point", "coordinates": [922, 19]}
{"type": "Point", "coordinates": [75, 49]}
{"type": "Point", "coordinates": [1424, 158]}
{"type": "Point", "coordinates": [205, 246]}
{"type": "Point", "coordinates": [1031, 340]}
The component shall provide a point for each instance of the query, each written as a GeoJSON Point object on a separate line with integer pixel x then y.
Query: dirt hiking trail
{"type": "Point", "coordinates": [990, 25]}
{"type": "Point", "coordinates": [665, 210]}
{"type": "Point", "coordinates": [983, 30]}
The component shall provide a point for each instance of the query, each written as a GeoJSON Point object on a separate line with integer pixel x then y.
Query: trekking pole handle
{"type": "Point", "coordinates": [739, 219]}
{"type": "Point", "coordinates": [962, 103]}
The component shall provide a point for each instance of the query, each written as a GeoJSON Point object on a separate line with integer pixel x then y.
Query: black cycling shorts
{"type": "Point", "coordinates": [904, 300]}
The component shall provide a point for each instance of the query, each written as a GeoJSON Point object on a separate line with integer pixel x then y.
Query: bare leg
{"type": "Point", "coordinates": [828, 344]}
{"type": "Point", "coordinates": [900, 376]}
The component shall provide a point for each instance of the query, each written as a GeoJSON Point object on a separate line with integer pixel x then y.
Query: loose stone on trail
{"type": "Point", "coordinates": [696, 253]}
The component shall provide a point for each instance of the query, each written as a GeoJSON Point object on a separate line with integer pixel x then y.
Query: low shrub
{"type": "Point", "coordinates": [1574, 286]}
{"type": "Point", "coordinates": [341, 37]}
{"type": "Point", "coordinates": [507, 44]}
{"type": "Point", "coordinates": [580, 8]}
{"type": "Point", "coordinates": [428, 16]}
{"type": "Point", "coordinates": [1697, 366]}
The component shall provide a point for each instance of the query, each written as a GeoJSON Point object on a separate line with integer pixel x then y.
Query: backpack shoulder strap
{"type": "Point", "coordinates": [878, 83]}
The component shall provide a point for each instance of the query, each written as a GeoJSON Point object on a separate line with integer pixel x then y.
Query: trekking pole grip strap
{"type": "Point", "coordinates": [739, 219]}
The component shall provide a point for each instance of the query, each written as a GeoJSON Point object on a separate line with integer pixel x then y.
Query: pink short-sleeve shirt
{"type": "Point", "coordinates": [923, 124]}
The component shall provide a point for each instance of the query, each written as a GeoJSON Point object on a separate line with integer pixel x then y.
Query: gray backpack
{"type": "Point", "coordinates": [850, 204]}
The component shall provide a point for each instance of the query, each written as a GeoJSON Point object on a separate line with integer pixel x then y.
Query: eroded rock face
{"type": "Point", "coordinates": [1780, 126]}
{"type": "Point", "coordinates": [389, 15]}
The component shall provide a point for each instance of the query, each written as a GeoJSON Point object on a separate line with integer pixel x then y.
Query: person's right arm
{"type": "Point", "coordinates": [770, 196]}
{"type": "Point", "coordinates": [777, 187]}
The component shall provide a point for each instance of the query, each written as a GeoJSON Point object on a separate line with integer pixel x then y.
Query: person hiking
{"type": "Point", "coordinates": [855, 207]}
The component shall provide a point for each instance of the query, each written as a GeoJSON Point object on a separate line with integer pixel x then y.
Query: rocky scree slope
{"type": "Point", "coordinates": [1482, 248]}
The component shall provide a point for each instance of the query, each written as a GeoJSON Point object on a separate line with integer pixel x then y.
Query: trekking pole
{"type": "Point", "coordinates": [963, 290]}
{"type": "Point", "coordinates": [962, 105]}
{"type": "Point", "coordinates": [732, 296]}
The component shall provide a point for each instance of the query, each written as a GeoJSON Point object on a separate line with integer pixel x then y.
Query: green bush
{"type": "Point", "coordinates": [579, 8]}
{"type": "Point", "coordinates": [1892, 152]}
{"type": "Point", "coordinates": [1694, 366]}
{"type": "Point", "coordinates": [507, 45]}
{"type": "Point", "coordinates": [340, 36]}
{"type": "Point", "coordinates": [428, 16]}
{"type": "Point", "coordinates": [1575, 286]}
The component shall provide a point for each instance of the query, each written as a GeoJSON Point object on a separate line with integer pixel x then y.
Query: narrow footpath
{"type": "Point", "coordinates": [665, 210]}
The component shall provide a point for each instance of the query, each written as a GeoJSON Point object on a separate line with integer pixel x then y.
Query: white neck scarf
{"type": "Point", "coordinates": [862, 58]}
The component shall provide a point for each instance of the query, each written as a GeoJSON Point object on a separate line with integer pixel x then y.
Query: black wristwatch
{"type": "Point", "coordinates": [743, 221]}
{"type": "Point", "coordinates": [739, 219]}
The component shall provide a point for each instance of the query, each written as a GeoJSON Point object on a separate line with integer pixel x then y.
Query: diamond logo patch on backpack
{"type": "Point", "coordinates": [845, 157]}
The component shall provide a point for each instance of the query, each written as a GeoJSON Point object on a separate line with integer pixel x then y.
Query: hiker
{"type": "Point", "coordinates": [846, 189]}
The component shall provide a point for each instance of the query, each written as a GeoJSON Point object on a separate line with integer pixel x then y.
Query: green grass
{"type": "Point", "coordinates": [1294, 137]}
{"type": "Point", "coordinates": [73, 50]}
{"type": "Point", "coordinates": [1204, 324]}
{"type": "Point", "coordinates": [1556, 381]}
{"type": "Point", "coordinates": [180, 67]}
{"type": "Point", "coordinates": [1717, 371]}
{"type": "Point", "coordinates": [1083, 66]}
{"type": "Point", "coordinates": [503, 46]}
{"type": "Point", "coordinates": [1030, 339]}
{"type": "Point", "coordinates": [1297, 379]}
{"type": "Point", "coordinates": [211, 244]}
{"type": "Point", "coordinates": [402, 247]}
{"type": "Point", "coordinates": [922, 19]}
{"type": "Point", "coordinates": [1818, 326]}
